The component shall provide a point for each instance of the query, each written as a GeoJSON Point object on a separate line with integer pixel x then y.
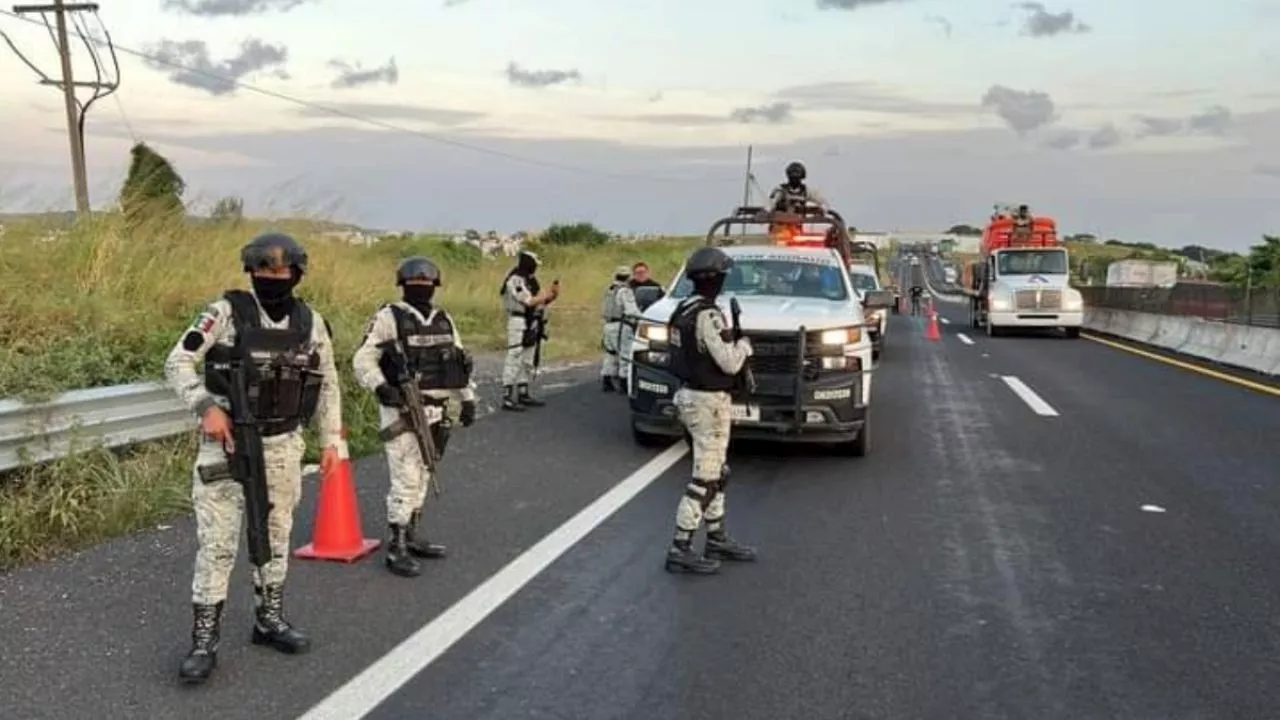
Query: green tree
{"type": "Point", "coordinates": [965, 230]}
{"type": "Point", "coordinates": [228, 210]}
{"type": "Point", "coordinates": [577, 234]}
{"type": "Point", "coordinates": [152, 188]}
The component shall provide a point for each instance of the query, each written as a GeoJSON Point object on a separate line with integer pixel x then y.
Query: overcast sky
{"type": "Point", "coordinates": [1142, 119]}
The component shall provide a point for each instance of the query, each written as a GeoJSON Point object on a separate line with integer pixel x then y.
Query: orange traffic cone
{"type": "Point", "coordinates": [931, 332]}
{"type": "Point", "coordinates": [338, 535]}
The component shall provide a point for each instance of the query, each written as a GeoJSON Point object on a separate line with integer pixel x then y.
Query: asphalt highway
{"type": "Point", "coordinates": [1045, 528]}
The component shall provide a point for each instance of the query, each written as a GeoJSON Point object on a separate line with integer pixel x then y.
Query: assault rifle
{"type": "Point", "coordinates": [744, 385]}
{"type": "Point", "coordinates": [415, 414]}
{"type": "Point", "coordinates": [247, 464]}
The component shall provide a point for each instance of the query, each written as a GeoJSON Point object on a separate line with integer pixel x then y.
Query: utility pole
{"type": "Point", "coordinates": [746, 181]}
{"type": "Point", "coordinates": [75, 135]}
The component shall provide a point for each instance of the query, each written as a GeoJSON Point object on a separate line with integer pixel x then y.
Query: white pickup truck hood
{"type": "Point", "coordinates": [772, 313]}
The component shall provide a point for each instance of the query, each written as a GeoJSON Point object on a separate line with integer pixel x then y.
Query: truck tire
{"type": "Point", "coordinates": [1072, 332]}
{"type": "Point", "coordinates": [649, 440]}
{"type": "Point", "coordinates": [861, 445]}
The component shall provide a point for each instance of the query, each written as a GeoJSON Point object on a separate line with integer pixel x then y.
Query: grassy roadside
{"type": "Point", "coordinates": [103, 305]}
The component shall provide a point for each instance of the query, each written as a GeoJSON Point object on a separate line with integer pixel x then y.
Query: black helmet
{"type": "Point", "coordinates": [273, 250]}
{"type": "Point", "coordinates": [795, 172]}
{"type": "Point", "coordinates": [418, 268]}
{"type": "Point", "coordinates": [707, 261]}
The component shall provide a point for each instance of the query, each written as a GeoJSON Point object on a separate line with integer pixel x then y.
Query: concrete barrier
{"type": "Point", "coordinates": [1243, 346]}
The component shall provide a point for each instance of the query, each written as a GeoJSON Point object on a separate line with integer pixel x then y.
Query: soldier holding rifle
{"type": "Point", "coordinates": [268, 371]}
{"type": "Point", "coordinates": [710, 358]}
{"type": "Point", "coordinates": [412, 358]}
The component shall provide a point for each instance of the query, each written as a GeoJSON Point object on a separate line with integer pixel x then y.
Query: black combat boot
{"type": "Point", "coordinates": [509, 400]}
{"type": "Point", "coordinates": [622, 384]}
{"type": "Point", "coordinates": [272, 629]}
{"type": "Point", "coordinates": [606, 383]}
{"type": "Point", "coordinates": [682, 558]}
{"type": "Point", "coordinates": [398, 559]}
{"type": "Point", "coordinates": [525, 398]}
{"type": "Point", "coordinates": [722, 547]}
{"type": "Point", "coordinates": [203, 658]}
{"type": "Point", "coordinates": [421, 548]}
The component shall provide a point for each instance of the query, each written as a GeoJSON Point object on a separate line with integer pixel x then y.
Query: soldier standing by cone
{"type": "Point", "coordinates": [706, 360]}
{"type": "Point", "coordinates": [423, 337]}
{"type": "Point", "coordinates": [619, 309]}
{"type": "Point", "coordinates": [293, 379]}
{"type": "Point", "coordinates": [525, 305]}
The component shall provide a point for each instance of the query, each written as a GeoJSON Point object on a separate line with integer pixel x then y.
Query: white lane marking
{"type": "Point", "coordinates": [1029, 396]}
{"type": "Point", "coordinates": [943, 320]}
{"type": "Point", "coordinates": [1152, 509]}
{"type": "Point", "coordinates": [363, 693]}
{"type": "Point", "coordinates": [965, 338]}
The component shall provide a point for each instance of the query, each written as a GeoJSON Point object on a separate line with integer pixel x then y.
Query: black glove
{"type": "Point", "coordinates": [389, 395]}
{"type": "Point", "coordinates": [467, 416]}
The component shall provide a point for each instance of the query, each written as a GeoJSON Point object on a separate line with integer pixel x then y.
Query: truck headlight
{"type": "Point", "coordinates": [1072, 300]}
{"type": "Point", "coordinates": [842, 336]}
{"type": "Point", "coordinates": [652, 332]}
{"type": "Point", "coordinates": [1000, 303]}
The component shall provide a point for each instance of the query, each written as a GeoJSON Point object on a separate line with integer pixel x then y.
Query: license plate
{"type": "Point", "coordinates": [745, 413]}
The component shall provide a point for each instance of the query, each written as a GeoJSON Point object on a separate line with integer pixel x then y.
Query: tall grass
{"type": "Point", "coordinates": [103, 303]}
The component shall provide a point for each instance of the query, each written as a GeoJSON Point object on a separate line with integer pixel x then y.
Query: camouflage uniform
{"type": "Point", "coordinates": [792, 199]}
{"type": "Point", "coordinates": [619, 310]}
{"type": "Point", "coordinates": [218, 500]}
{"type": "Point", "coordinates": [706, 359]}
{"type": "Point", "coordinates": [409, 476]}
{"type": "Point", "coordinates": [519, 289]}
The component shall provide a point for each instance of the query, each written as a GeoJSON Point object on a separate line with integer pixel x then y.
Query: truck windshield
{"type": "Point", "coordinates": [862, 282]}
{"type": "Point", "coordinates": [1031, 262]}
{"type": "Point", "coordinates": [782, 277]}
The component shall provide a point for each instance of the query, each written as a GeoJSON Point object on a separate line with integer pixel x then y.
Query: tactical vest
{"type": "Point", "coordinates": [430, 352]}
{"type": "Point", "coordinates": [613, 308]}
{"type": "Point", "coordinates": [695, 368]}
{"type": "Point", "coordinates": [284, 380]}
{"type": "Point", "coordinates": [792, 200]}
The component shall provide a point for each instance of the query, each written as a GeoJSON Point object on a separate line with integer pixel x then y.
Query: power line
{"type": "Point", "coordinates": [392, 126]}
{"type": "Point", "coordinates": [76, 110]}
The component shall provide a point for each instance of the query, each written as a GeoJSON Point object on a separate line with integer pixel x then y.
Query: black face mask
{"type": "Point", "coordinates": [419, 296]}
{"type": "Point", "coordinates": [275, 295]}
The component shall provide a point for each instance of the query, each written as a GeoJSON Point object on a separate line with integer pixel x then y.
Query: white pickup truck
{"type": "Point", "coordinates": [812, 352]}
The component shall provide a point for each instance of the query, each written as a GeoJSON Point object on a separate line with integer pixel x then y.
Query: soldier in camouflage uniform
{"type": "Point", "coordinates": [292, 348]}
{"type": "Point", "coordinates": [424, 337]}
{"type": "Point", "coordinates": [792, 195]}
{"type": "Point", "coordinates": [619, 310]}
{"type": "Point", "coordinates": [706, 359]}
{"type": "Point", "coordinates": [525, 305]}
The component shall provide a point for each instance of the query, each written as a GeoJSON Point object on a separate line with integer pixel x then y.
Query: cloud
{"type": "Point", "coordinates": [392, 111]}
{"type": "Point", "coordinates": [1157, 196]}
{"type": "Point", "coordinates": [1107, 136]}
{"type": "Point", "coordinates": [1268, 170]}
{"type": "Point", "coordinates": [851, 5]}
{"type": "Point", "coordinates": [1215, 120]}
{"type": "Point", "coordinates": [520, 77]}
{"type": "Point", "coordinates": [679, 119]}
{"type": "Point", "coordinates": [1022, 110]}
{"type": "Point", "coordinates": [233, 8]}
{"type": "Point", "coordinates": [941, 22]}
{"type": "Point", "coordinates": [772, 114]}
{"type": "Point", "coordinates": [354, 75]}
{"type": "Point", "coordinates": [864, 97]}
{"type": "Point", "coordinates": [188, 62]}
{"type": "Point", "coordinates": [1042, 23]}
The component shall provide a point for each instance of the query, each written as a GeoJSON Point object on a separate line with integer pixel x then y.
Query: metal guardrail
{"type": "Point", "coordinates": [113, 416]}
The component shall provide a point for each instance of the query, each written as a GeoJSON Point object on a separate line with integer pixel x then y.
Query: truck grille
{"type": "Point", "coordinates": [775, 353]}
{"type": "Point", "coordinates": [1038, 300]}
